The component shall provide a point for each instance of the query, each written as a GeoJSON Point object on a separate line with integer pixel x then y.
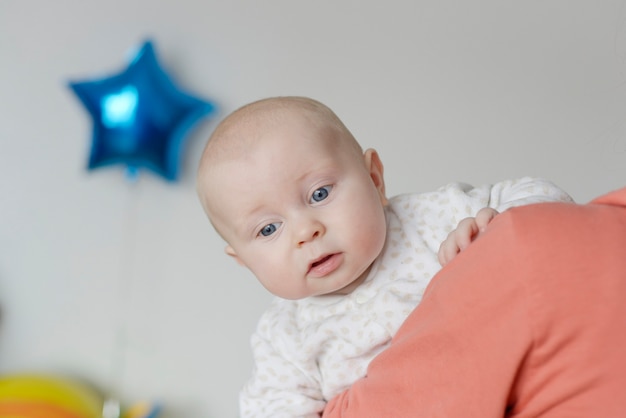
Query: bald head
{"type": "Point", "coordinates": [246, 125]}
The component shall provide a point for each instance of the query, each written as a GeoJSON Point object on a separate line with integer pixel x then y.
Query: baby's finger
{"type": "Point", "coordinates": [465, 232]}
{"type": "Point", "coordinates": [484, 216]}
{"type": "Point", "coordinates": [447, 251]}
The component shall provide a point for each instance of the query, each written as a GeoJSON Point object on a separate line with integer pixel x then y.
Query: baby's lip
{"type": "Point", "coordinates": [325, 264]}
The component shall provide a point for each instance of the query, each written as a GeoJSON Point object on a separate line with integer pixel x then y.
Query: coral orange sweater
{"type": "Point", "coordinates": [529, 321]}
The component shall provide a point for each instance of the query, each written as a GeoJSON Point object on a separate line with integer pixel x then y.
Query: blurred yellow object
{"type": "Point", "coordinates": [45, 396]}
{"type": "Point", "coordinates": [142, 410]}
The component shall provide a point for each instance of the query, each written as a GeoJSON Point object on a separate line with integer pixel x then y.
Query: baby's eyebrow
{"type": "Point", "coordinates": [246, 222]}
{"type": "Point", "coordinates": [327, 169]}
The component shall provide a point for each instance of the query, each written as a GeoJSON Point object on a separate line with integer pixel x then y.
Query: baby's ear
{"type": "Point", "coordinates": [231, 252]}
{"type": "Point", "coordinates": [375, 167]}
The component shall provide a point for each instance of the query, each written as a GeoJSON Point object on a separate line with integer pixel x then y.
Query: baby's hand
{"type": "Point", "coordinates": [467, 230]}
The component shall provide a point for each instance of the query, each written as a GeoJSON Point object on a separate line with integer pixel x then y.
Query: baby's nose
{"type": "Point", "coordinates": [309, 232]}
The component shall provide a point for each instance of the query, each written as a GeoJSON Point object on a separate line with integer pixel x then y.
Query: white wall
{"type": "Point", "coordinates": [126, 285]}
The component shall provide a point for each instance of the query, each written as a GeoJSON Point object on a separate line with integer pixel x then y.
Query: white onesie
{"type": "Point", "coordinates": [307, 351]}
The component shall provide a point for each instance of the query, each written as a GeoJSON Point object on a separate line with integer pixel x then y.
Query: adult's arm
{"type": "Point", "coordinates": [530, 319]}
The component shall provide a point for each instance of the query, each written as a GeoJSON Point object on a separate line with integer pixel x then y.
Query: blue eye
{"type": "Point", "coordinates": [268, 230]}
{"type": "Point", "coordinates": [321, 194]}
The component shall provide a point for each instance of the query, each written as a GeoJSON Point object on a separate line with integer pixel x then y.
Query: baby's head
{"type": "Point", "coordinates": [296, 199]}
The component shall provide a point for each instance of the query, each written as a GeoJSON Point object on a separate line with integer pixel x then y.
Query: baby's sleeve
{"type": "Point", "coordinates": [525, 191]}
{"type": "Point", "coordinates": [279, 387]}
{"type": "Point", "coordinates": [439, 212]}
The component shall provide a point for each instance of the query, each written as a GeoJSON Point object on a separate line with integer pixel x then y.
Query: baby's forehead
{"type": "Point", "coordinates": [247, 132]}
{"type": "Point", "coordinates": [259, 125]}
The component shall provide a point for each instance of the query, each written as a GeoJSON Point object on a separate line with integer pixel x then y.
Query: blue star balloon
{"type": "Point", "coordinates": [140, 118]}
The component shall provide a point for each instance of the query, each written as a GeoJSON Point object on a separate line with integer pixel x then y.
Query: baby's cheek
{"type": "Point", "coordinates": [372, 236]}
{"type": "Point", "coordinates": [285, 277]}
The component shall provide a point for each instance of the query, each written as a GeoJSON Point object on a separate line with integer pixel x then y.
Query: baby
{"type": "Point", "coordinates": [302, 206]}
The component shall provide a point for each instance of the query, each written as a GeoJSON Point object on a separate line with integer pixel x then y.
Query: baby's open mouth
{"type": "Point", "coordinates": [325, 265]}
{"type": "Point", "coordinates": [320, 261]}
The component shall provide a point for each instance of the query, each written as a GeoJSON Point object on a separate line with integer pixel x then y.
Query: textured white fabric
{"type": "Point", "coordinates": [307, 351]}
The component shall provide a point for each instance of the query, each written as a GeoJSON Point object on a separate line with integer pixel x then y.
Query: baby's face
{"type": "Point", "coordinates": [300, 210]}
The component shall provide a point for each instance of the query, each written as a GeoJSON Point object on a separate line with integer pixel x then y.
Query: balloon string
{"type": "Point", "coordinates": [123, 296]}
